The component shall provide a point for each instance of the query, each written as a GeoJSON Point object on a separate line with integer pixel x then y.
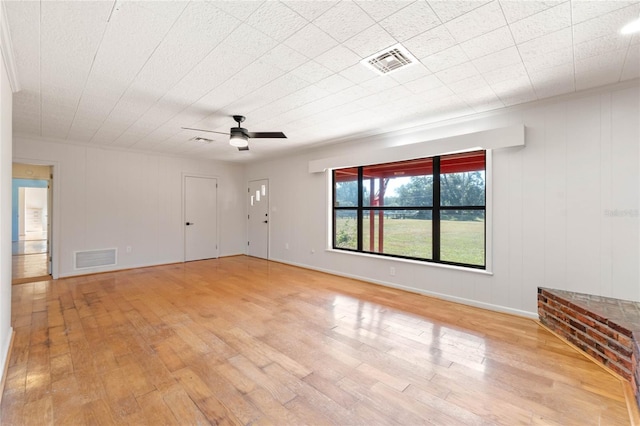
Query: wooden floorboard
{"type": "Point", "coordinates": [246, 341]}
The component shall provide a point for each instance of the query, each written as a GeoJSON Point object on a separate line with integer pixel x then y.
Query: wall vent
{"type": "Point", "coordinates": [94, 258]}
{"type": "Point", "coordinates": [391, 59]}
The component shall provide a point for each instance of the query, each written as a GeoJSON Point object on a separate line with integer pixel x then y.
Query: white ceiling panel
{"type": "Point", "coordinates": [484, 96]}
{"type": "Point", "coordinates": [504, 58]}
{"type": "Point", "coordinates": [599, 46]}
{"type": "Point", "coordinates": [334, 84]}
{"type": "Point", "coordinates": [132, 78]}
{"type": "Point", "coordinates": [312, 72]}
{"type": "Point", "coordinates": [548, 60]}
{"type": "Point", "coordinates": [379, 84]}
{"type": "Point", "coordinates": [410, 73]}
{"type": "Point", "coordinates": [445, 59]}
{"type": "Point", "coordinates": [477, 22]}
{"type": "Point", "coordinates": [605, 25]}
{"type": "Point", "coordinates": [311, 41]}
{"type": "Point", "coordinates": [468, 84]}
{"type": "Point", "coordinates": [515, 10]}
{"type": "Point", "coordinates": [270, 92]}
{"type": "Point", "coordinates": [240, 9]}
{"type": "Point", "coordinates": [457, 73]}
{"type": "Point", "coordinates": [515, 93]}
{"type": "Point", "coordinates": [505, 73]}
{"type": "Point", "coordinates": [283, 57]}
{"type": "Point", "coordinates": [430, 42]}
{"type": "Point", "coordinates": [542, 23]}
{"type": "Point", "coordinates": [358, 74]}
{"type": "Point", "coordinates": [370, 41]}
{"type": "Point", "coordinates": [199, 29]}
{"type": "Point", "coordinates": [491, 42]}
{"type": "Point", "coordinates": [338, 59]}
{"type": "Point", "coordinates": [631, 68]}
{"type": "Point", "coordinates": [343, 21]}
{"type": "Point", "coordinates": [310, 9]}
{"type": "Point", "coordinates": [586, 10]}
{"type": "Point", "coordinates": [24, 25]}
{"type": "Point", "coordinates": [410, 21]}
{"type": "Point", "coordinates": [437, 93]}
{"type": "Point", "coordinates": [380, 9]}
{"type": "Point", "coordinates": [276, 20]}
{"type": "Point", "coordinates": [448, 10]}
{"type": "Point", "coordinates": [553, 81]}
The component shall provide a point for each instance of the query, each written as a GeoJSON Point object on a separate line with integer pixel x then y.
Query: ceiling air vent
{"type": "Point", "coordinates": [390, 59]}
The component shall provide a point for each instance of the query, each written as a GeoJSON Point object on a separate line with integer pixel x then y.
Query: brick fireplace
{"type": "Point", "coordinates": [605, 328]}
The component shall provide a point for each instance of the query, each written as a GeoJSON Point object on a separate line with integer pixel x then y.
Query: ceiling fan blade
{"type": "Point", "coordinates": [202, 130]}
{"type": "Point", "coordinates": [255, 135]}
{"type": "Point", "coordinates": [243, 148]}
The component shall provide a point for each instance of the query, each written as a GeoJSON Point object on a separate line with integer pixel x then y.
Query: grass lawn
{"type": "Point", "coordinates": [461, 241]}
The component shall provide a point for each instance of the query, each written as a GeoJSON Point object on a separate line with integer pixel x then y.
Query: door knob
{"type": "Point", "coordinates": [266, 221]}
{"type": "Point", "coordinates": [190, 223]}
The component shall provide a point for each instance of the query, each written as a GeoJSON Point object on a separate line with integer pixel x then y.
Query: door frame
{"type": "Point", "coordinates": [248, 204]}
{"type": "Point", "coordinates": [54, 212]}
{"type": "Point", "coordinates": [183, 213]}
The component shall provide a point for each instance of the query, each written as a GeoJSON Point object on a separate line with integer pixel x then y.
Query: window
{"type": "Point", "coordinates": [430, 209]}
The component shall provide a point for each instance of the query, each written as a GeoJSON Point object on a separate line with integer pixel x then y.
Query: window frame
{"type": "Point", "coordinates": [435, 209]}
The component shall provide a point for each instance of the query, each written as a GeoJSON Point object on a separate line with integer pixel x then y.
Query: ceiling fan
{"type": "Point", "coordinates": [240, 136]}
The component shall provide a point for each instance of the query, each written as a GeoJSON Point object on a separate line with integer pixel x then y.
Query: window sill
{"type": "Point", "coordinates": [414, 262]}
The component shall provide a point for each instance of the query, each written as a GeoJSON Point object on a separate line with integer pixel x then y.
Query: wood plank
{"type": "Point", "coordinates": [246, 341]}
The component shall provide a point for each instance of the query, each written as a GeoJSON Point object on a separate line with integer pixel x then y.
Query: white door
{"type": "Point", "coordinates": [259, 218]}
{"type": "Point", "coordinates": [200, 214]}
{"type": "Point", "coordinates": [49, 222]}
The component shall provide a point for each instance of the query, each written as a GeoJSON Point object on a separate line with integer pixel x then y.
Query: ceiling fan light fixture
{"type": "Point", "coordinates": [632, 27]}
{"type": "Point", "coordinates": [239, 137]}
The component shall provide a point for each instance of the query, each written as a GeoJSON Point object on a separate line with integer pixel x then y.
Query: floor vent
{"type": "Point", "coordinates": [390, 59]}
{"type": "Point", "coordinates": [94, 258]}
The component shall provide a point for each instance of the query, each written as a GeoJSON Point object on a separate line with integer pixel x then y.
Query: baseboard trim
{"type": "Point", "coordinates": [455, 299]}
{"type": "Point", "coordinates": [6, 364]}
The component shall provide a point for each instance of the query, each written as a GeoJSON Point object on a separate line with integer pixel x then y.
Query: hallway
{"type": "Point", "coordinates": [29, 258]}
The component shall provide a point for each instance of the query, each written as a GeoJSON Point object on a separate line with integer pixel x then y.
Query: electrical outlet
{"type": "Point", "coordinates": [286, 246]}
{"type": "Point", "coordinates": [128, 249]}
{"type": "Point", "coordinates": [392, 271]}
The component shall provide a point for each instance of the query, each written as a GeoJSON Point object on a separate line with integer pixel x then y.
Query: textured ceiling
{"type": "Point", "coordinates": [130, 74]}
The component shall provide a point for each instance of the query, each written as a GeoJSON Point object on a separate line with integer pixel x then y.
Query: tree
{"type": "Point", "coordinates": [456, 189]}
{"type": "Point", "coordinates": [347, 193]}
{"type": "Point", "coordinates": [417, 192]}
{"type": "Point", "coordinates": [462, 189]}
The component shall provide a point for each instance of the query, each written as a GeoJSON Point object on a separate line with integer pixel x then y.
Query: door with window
{"type": "Point", "coordinates": [200, 214]}
{"type": "Point", "coordinates": [258, 198]}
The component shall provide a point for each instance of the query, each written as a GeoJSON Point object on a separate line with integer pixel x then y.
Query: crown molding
{"type": "Point", "coordinates": [7, 50]}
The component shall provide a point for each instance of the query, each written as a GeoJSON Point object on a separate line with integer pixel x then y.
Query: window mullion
{"type": "Point", "coordinates": [360, 206]}
{"type": "Point", "coordinates": [435, 220]}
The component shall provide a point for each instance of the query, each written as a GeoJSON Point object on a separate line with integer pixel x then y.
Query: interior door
{"type": "Point", "coordinates": [49, 228]}
{"type": "Point", "coordinates": [200, 214]}
{"type": "Point", "coordinates": [259, 219]}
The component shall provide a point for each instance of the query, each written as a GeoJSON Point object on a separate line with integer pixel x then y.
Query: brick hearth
{"type": "Point", "coordinates": [607, 329]}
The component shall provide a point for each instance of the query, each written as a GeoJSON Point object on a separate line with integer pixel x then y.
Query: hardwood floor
{"type": "Point", "coordinates": [29, 260]}
{"type": "Point", "coordinates": [246, 341]}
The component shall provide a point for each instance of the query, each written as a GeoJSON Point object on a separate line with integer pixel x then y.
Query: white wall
{"type": "Point", "coordinates": [6, 97]}
{"type": "Point", "coordinates": [565, 207]}
{"type": "Point", "coordinates": [109, 198]}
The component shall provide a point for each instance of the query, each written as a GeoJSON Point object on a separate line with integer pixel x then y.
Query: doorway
{"type": "Point", "coordinates": [258, 219]}
{"type": "Point", "coordinates": [201, 218]}
{"type": "Point", "coordinates": [31, 223]}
